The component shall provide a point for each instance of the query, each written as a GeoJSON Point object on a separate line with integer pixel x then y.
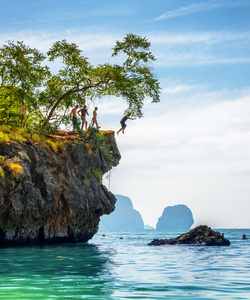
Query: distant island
{"type": "Point", "coordinates": [124, 217]}
{"type": "Point", "coordinates": [175, 217]}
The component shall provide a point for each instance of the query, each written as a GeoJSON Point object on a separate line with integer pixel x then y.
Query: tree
{"type": "Point", "coordinates": [21, 76]}
{"type": "Point", "coordinates": [133, 80]}
{"type": "Point", "coordinates": [52, 95]}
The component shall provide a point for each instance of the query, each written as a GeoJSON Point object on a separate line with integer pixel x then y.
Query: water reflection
{"type": "Point", "coordinates": [54, 272]}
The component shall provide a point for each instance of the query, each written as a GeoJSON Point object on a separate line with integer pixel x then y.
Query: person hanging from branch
{"type": "Point", "coordinates": [123, 122]}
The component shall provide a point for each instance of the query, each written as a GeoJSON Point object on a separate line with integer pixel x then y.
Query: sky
{"type": "Point", "coordinates": [193, 147]}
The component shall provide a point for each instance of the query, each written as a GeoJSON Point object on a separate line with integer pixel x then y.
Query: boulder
{"type": "Point", "coordinates": [200, 235]}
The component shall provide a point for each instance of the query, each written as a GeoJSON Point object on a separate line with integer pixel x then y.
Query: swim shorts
{"type": "Point", "coordinates": [123, 124]}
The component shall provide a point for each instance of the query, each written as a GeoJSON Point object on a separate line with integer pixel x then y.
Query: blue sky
{"type": "Point", "coordinates": [193, 147]}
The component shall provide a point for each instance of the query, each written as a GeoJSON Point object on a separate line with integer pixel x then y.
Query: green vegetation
{"type": "Point", "coordinates": [34, 101]}
{"type": "Point", "coordinates": [16, 169]}
{"type": "Point", "coordinates": [86, 181]}
{"type": "Point", "coordinates": [2, 174]}
{"type": "Point", "coordinates": [4, 138]}
{"type": "Point", "coordinates": [98, 175]}
{"type": "Point", "coordinates": [25, 79]}
{"type": "Point", "coordinates": [96, 139]}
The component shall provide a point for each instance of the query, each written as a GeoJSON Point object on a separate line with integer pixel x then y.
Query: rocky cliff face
{"type": "Point", "coordinates": [48, 197]}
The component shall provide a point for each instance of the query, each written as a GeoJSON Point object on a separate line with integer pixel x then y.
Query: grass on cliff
{"type": "Point", "coordinates": [4, 138]}
{"type": "Point", "coordinates": [21, 135]}
{"type": "Point", "coordinates": [16, 169]}
{"type": "Point", "coordinates": [2, 174]}
{"type": "Point", "coordinates": [97, 173]}
{"type": "Point", "coordinates": [92, 139]}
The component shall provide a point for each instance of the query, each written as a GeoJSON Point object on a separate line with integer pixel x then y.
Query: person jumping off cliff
{"type": "Point", "coordinates": [123, 124]}
{"type": "Point", "coordinates": [82, 113]}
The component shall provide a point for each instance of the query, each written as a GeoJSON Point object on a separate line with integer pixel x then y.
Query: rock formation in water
{"type": "Point", "coordinates": [175, 217]}
{"type": "Point", "coordinates": [200, 235]}
{"type": "Point", "coordinates": [125, 217]}
{"type": "Point", "coordinates": [48, 197]}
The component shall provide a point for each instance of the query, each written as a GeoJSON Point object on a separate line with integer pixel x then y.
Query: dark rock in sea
{"type": "Point", "coordinates": [48, 197]}
{"type": "Point", "coordinates": [200, 235]}
{"type": "Point", "coordinates": [175, 217]}
{"type": "Point", "coordinates": [125, 217]}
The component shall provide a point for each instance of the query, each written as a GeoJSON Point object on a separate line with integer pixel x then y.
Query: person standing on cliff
{"type": "Point", "coordinates": [123, 124]}
{"type": "Point", "coordinates": [74, 117]}
{"type": "Point", "coordinates": [82, 113]}
{"type": "Point", "coordinates": [94, 119]}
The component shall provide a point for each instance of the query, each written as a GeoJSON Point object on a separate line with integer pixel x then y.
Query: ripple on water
{"type": "Point", "coordinates": [111, 268]}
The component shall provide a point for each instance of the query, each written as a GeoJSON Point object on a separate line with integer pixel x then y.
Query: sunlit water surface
{"type": "Point", "coordinates": [120, 265]}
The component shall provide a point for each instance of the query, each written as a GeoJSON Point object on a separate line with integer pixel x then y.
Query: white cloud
{"type": "Point", "coordinates": [196, 153]}
{"type": "Point", "coordinates": [175, 49]}
{"type": "Point", "coordinates": [199, 49]}
{"type": "Point", "coordinates": [199, 7]}
{"type": "Point", "coordinates": [97, 45]}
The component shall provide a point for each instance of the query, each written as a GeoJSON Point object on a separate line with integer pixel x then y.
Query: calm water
{"type": "Point", "coordinates": [112, 268]}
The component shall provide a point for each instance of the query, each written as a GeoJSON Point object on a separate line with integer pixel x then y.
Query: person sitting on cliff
{"type": "Point", "coordinates": [123, 124]}
{"type": "Point", "coordinates": [74, 117]}
{"type": "Point", "coordinates": [94, 119]}
{"type": "Point", "coordinates": [82, 113]}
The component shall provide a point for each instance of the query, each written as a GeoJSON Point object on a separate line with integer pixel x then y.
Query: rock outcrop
{"type": "Point", "coordinates": [175, 217]}
{"type": "Point", "coordinates": [48, 197]}
{"type": "Point", "coordinates": [200, 235]}
{"type": "Point", "coordinates": [125, 217]}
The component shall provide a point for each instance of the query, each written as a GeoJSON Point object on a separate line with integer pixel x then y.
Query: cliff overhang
{"type": "Point", "coordinates": [49, 196]}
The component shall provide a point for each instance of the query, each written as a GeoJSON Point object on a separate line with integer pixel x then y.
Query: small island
{"type": "Point", "coordinates": [51, 187]}
{"type": "Point", "coordinates": [175, 217]}
{"type": "Point", "coordinates": [200, 235]}
{"type": "Point", "coordinates": [124, 217]}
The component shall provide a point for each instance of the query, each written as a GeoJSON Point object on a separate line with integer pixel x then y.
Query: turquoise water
{"type": "Point", "coordinates": [109, 267]}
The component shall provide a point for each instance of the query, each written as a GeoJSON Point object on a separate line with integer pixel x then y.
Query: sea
{"type": "Point", "coordinates": [120, 265]}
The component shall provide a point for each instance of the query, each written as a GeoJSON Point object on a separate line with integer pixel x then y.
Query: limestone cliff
{"type": "Point", "coordinates": [48, 197]}
{"type": "Point", "coordinates": [125, 217]}
{"type": "Point", "coordinates": [175, 217]}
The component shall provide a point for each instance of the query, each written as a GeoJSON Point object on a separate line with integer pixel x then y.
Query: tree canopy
{"type": "Point", "coordinates": [26, 79]}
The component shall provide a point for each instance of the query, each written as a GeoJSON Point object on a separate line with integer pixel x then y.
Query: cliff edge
{"type": "Point", "coordinates": [51, 196]}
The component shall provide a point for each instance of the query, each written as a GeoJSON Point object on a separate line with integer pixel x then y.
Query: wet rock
{"type": "Point", "coordinates": [201, 235]}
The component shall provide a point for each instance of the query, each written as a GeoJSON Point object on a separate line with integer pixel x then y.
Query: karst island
{"type": "Point", "coordinates": [52, 159]}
